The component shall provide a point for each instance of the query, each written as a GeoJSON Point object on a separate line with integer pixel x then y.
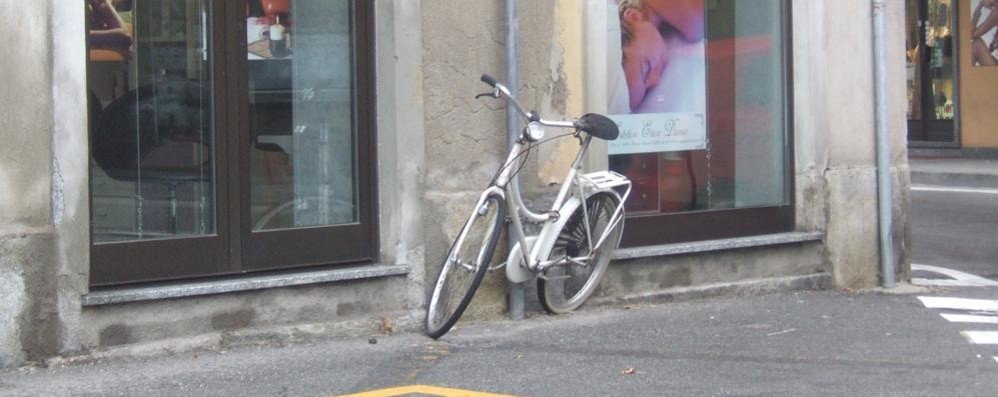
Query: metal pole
{"type": "Point", "coordinates": [515, 290]}
{"type": "Point", "coordinates": [884, 189]}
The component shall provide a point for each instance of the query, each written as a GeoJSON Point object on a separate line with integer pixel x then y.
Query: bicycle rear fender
{"type": "Point", "coordinates": [516, 270]}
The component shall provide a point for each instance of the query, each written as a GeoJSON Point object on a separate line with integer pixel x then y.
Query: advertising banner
{"type": "Point", "coordinates": [657, 86]}
{"type": "Point", "coordinates": [659, 132]}
{"type": "Point", "coordinates": [983, 32]}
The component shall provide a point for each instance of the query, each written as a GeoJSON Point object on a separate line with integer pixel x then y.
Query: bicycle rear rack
{"type": "Point", "coordinates": [608, 180]}
{"type": "Point", "coordinates": [603, 180]}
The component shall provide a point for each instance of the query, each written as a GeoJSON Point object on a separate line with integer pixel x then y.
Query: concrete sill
{"type": "Point", "coordinates": [717, 245]}
{"type": "Point", "coordinates": [147, 293]}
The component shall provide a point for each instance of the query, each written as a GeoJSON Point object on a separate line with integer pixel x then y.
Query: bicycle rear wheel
{"type": "Point", "coordinates": [568, 286]}
{"type": "Point", "coordinates": [464, 266]}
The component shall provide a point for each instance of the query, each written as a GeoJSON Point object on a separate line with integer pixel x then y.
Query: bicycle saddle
{"type": "Point", "coordinates": [598, 126]}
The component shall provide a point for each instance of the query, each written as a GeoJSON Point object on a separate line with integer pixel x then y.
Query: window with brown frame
{"type": "Point", "coordinates": [229, 136]}
{"type": "Point", "coordinates": [706, 124]}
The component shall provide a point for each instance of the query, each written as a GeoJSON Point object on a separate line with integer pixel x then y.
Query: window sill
{"type": "Point", "coordinates": [148, 293]}
{"type": "Point", "coordinates": [717, 245]}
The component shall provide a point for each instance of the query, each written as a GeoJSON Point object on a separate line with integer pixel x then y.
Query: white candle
{"type": "Point", "coordinates": [276, 32]}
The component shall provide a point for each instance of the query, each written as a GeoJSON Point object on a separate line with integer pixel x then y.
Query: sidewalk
{"type": "Point", "coordinates": [950, 171]}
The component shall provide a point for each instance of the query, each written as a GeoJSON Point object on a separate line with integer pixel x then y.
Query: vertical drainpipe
{"type": "Point", "coordinates": [884, 190]}
{"type": "Point", "coordinates": [515, 290]}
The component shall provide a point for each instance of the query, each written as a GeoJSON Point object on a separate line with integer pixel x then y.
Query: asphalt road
{"type": "Point", "coordinates": [809, 343]}
{"type": "Point", "coordinates": [957, 230]}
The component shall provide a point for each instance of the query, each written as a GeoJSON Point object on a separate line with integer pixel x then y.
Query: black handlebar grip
{"type": "Point", "coordinates": [598, 126]}
{"type": "Point", "coordinates": [491, 81]}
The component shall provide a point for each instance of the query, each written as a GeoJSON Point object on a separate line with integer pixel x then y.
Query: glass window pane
{"type": "Point", "coordinates": [301, 113]}
{"type": "Point", "coordinates": [913, 40]}
{"type": "Point", "coordinates": [939, 46]}
{"type": "Point", "coordinates": [150, 119]}
{"type": "Point", "coordinates": [706, 125]}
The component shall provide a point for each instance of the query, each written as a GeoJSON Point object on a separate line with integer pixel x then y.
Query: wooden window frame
{"type": "Point", "coordinates": [234, 249]}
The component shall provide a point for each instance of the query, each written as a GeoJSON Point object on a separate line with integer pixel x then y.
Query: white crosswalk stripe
{"type": "Point", "coordinates": [935, 302]}
{"type": "Point", "coordinates": [970, 318]}
{"type": "Point", "coordinates": [975, 311]}
{"type": "Point", "coordinates": [981, 337]}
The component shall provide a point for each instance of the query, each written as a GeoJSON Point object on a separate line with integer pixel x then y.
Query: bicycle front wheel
{"type": "Point", "coordinates": [564, 288]}
{"type": "Point", "coordinates": [464, 266]}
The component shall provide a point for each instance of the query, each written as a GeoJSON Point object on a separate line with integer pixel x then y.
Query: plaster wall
{"type": "Point", "coordinates": [465, 139]}
{"type": "Point", "coordinates": [41, 214]}
{"type": "Point", "coordinates": [70, 178]}
{"type": "Point", "coordinates": [835, 135]}
{"type": "Point", "coordinates": [12, 301]}
{"type": "Point", "coordinates": [401, 130]}
{"type": "Point", "coordinates": [25, 108]}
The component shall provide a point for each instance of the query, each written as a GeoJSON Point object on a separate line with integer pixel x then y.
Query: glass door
{"type": "Point", "coordinates": [931, 72]}
{"type": "Point", "coordinates": [153, 135]}
{"type": "Point", "coordinates": [305, 196]}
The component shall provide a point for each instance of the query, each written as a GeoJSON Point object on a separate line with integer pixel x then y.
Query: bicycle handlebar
{"type": "Point", "coordinates": [491, 81]}
{"type": "Point", "coordinates": [502, 92]}
{"type": "Point", "coordinates": [594, 124]}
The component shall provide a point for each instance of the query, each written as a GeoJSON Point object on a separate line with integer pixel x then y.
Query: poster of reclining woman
{"type": "Point", "coordinates": [657, 82]}
{"type": "Point", "coordinates": [984, 32]}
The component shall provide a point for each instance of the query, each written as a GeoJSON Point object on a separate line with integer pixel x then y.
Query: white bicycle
{"type": "Point", "coordinates": [572, 250]}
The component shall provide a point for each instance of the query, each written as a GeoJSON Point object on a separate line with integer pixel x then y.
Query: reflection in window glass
{"type": "Point", "coordinates": [299, 56]}
{"type": "Point", "coordinates": [930, 70]}
{"type": "Point", "coordinates": [913, 64]}
{"type": "Point", "coordinates": [703, 117]}
{"type": "Point", "coordinates": [150, 119]}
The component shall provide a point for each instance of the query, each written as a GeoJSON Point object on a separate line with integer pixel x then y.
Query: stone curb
{"type": "Point", "coordinates": [408, 322]}
{"type": "Point", "coordinates": [822, 281]}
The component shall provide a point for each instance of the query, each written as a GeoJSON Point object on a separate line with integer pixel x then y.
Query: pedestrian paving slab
{"type": "Point", "coordinates": [965, 172]}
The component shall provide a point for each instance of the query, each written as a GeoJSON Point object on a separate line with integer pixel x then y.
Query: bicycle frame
{"type": "Point", "coordinates": [525, 257]}
{"type": "Point", "coordinates": [522, 264]}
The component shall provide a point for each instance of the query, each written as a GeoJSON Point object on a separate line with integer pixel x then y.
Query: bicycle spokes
{"type": "Point", "coordinates": [565, 285]}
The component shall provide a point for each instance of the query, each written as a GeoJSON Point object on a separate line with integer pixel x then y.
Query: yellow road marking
{"type": "Point", "coordinates": [423, 390]}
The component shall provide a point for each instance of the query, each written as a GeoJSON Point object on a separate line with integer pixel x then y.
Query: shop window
{"type": "Point", "coordinates": [931, 71]}
{"type": "Point", "coordinates": [228, 137]}
{"type": "Point", "coordinates": [704, 107]}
